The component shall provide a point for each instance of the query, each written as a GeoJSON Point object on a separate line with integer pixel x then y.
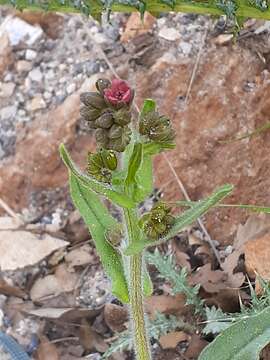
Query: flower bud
{"type": "Point", "coordinates": [93, 100]}
{"type": "Point", "coordinates": [109, 159]}
{"type": "Point", "coordinates": [101, 164]}
{"type": "Point", "coordinates": [102, 84]}
{"type": "Point", "coordinates": [156, 127]}
{"type": "Point", "coordinates": [102, 138]}
{"type": "Point", "coordinates": [105, 121]}
{"type": "Point", "coordinates": [89, 114]}
{"type": "Point", "coordinates": [157, 222]}
{"type": "Point", "coordinates": [122, 117]}
{"type": "Point", "coordinates": [115, 132]}
{"type": "Point", "coordinates": [118, 94]}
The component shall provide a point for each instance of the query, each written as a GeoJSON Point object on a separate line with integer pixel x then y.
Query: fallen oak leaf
{"type": "Point", "coordinates": [171, 340]}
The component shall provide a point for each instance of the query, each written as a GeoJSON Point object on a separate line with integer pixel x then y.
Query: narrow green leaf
{"type": "Point", "coordinates": [185, 219]}
{"type": "Point", "coordinates": [148, 105]}
{"type": "Point", "coordinates": [90, 183]}
{"type": "Point", "coordinates": [99, 221]}
{"type": "Point", "coordinates": [241, 341]}
{"type": "Point", "coordinates": [134, 164]}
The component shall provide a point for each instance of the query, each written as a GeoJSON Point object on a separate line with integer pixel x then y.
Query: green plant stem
{"type": "Point", "coordinates": [135, 278]}
{"type": "Point", "coordinates": [243, 8]}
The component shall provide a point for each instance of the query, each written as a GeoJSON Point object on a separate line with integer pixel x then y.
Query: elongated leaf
{"type": "Point", "coordinates": [148, 106]}
{"type": "Point", "coordinates": [241, 341]}
{"type": "Point", "coordinates": [96, 186]}
{"type": "Point", "coordinates": [134, 165]}
{"type": "Point", "coordinates": [90, 207]}
{"type": "Point", "coordinates": [185, 219]}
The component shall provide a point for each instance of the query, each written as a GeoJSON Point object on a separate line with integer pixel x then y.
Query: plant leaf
{"type": "Point", "coordinates": [185, 219]}
{"type": "Point", "coordinates": [96, 186]}
{"type": "Point", "coordinates": [241, 341]}
{"type": "Point", "coordinates": [88, 203]}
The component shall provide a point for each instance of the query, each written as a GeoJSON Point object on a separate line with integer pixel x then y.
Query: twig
{"type": "Point", "coordinates": [179, 182]}
{"type": "Point", "coordinates": [194, 71]}
{"type": "Point", "coordinates": [9, 211]}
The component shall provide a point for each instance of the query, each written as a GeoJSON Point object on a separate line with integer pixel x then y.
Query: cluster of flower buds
{"type": "Point", "coordinates": [101, 164]}
{"type": "Point", "coordinates": [157, 222]}
{"type": "Point", "coordinates": [108, 111]}
{"type": "Point", "coordinates": [156, 127]}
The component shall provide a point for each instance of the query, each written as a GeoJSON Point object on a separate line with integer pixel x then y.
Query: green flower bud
{"type": "Point", "coordinates": [102, 84]}
{"type": "Point", "coordinates": [101, 164]}
{"type": "Point", "coordinates": [156, 127]}
{"type": "Point", "coordinates": [105, 121]}
{"type": "Point", "coordinates": [102, 138]}
{"type": "Point", "coordinates": [157, 222]}
{"type": "Point", "coordinates": [89, 114]}
{"type": "Point", "coordinates": [93, 100]}
{"type": "Point", "coordinates": [109, 159]}
{"type": "Point", "coordinates": [115, 132]}
{"type": "Point", "coordinates": [122, 117]}
{"type": "Point", "coordinates": [119, 144]}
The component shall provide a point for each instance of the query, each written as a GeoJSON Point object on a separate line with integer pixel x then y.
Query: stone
{"type": "Point", "coordinates": [8, 112]}
{"type": "Point", "coordinates": [185, 47]}
{"type": "Point", "coordinates": [23, 66]}
{"type": "Point", "coordinates": [6, 55]}
{"type": "Point", "coordinates": [135, 27]}
{"type": "Point", "coordinates": [169, 34]}
{"type": "Point", "coordinates": [49, 75]}
{"type": "Point", "coordinates": [71, 88]}
{"type": "Point", "coordinates": [37, 103]}
{"type": "Point", "coordinates": [30, 54]}
{"type": "Point", "coordinates": [36, 75]}
{"type": "Point", "coordinates": [6, 89]}
{"type": "Point", "coordinates": [223, 39]}
{"type": "Point", "coordinates": [20, 31]}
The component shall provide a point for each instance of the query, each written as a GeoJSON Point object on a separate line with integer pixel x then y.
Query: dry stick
{"type": "Point", "coordinates": [9, 211]}
{"type": "Point", "coordinates": [179, 182]}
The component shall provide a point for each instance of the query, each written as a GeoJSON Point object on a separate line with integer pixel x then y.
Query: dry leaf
{"type": "Point", "coordinates": [166, 304]}
{"type": "Point", "coordinates": [195, 347]}
{"type": "Point", "coordinates": [19, 249]}
{"type": "Point", "coordinates": [8, 290]}
{"type": "Point", "coordinates": [9, 223]}
{"type": "Point", "coordinates": [47, 350]}
{"type": "Point", "coordinates": [170, 341]}
{"type": "Point", "coordinates": [79, 257]}
{"type": "Point", "coordinates": [257, 255]}
{"type": "Point", "coordinates": [90, 339]}
{"type": "Point", "coordinates": [182, 259]}
{"type": "Point", "coordinates": [115, 317]}
{"type": "Point", "coordinates": [53, 285]}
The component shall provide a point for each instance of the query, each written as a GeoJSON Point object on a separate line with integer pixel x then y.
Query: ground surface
{"type": "Point", "coordinates": [213, 90]}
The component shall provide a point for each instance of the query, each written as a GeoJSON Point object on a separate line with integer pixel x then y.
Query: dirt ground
{"type": "Point", "coordinates": [213, 88]}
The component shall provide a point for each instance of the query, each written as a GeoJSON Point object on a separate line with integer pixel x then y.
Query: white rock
{"type": "Point", "coordinates": [30, 54]}
{"type": "Point", "coordinates": [37, 103]}
{"type": "Point", "coordinates": [36, 75]}
{"type": "Point", "coordinates": [49, 75]}
{"type": "Point", "coordinates": [47, 95]}
{"type": "Point", "coordinates": [8, 112]}
{"type": "Point", "coordinates": [8, 77]}
{"type": "Point", "coordinates": [169, 34]}
{"type": "Point", "coordinates": [23, 66]}
{"type": "Point", "coordinates": [6, 89]}
{"type": "Point", "coordinates": [185, 47]}
{"type": "Point", "coordinates": [71, 88]}
{"type": "Point", "coordinates": [20, 31]}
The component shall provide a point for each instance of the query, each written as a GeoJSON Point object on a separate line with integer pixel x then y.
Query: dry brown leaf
{"type": "Point", "coordinates": [8, 290]}
{"type": "Point", "coordinates": [53, 285]}
{"type": "Point", "coordinates": [115, 317]}
{"type": "Point", "coordinates": [170, 341]}
{"type": "Point", "coordinates": [90, 339]}
{"type": "Point", "coordinates": [257, 256]}
{"type": "Point", "coordinates": [166, 304]}
{"type": "Point", "coordinates": [64, 314]}
{"type": "Point", "coordinates": [182, 259]}
{"type": "Point", "coordinates": [195, 347]}
{"type": "Point", "coordinates": [79, 257]}
{"type": "Point", "coordinates": [19, 249]}
{"type": "Point", "coordinates": [47, 350]}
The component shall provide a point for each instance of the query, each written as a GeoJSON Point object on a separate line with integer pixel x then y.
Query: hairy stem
{"type": "Point", "coordinates": [243, 8]}
{"type": "Point", "coordinates": [135, 277]}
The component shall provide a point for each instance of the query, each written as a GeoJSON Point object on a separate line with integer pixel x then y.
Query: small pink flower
{"type": "Point", "coordinates": [118, 93]}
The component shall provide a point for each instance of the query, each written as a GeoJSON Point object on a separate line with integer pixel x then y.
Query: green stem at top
{"type": "Point", "coordinates": [135, 278]}
{"type": "Point", "coordinates": [243, 8]}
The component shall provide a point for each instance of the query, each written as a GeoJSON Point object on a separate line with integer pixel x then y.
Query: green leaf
{"type": "Point", "coordinates": [148, 106]}
{"type": "Point", "coordinates": [96, 186]}
{"type": "Point", "coordinates": [170, 3]}
{"type": "Point", "coordinates": [185, 219]}
{"type": "Point", "coordinates": [134, 164]}
{"type": "Point", "coordinates": [98, 220]}
{"type": "Point", "coordinates": [241, 341]}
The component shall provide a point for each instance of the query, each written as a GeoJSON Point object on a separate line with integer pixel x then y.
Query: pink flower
{"type": "Point", "coordinates": [118, 93]}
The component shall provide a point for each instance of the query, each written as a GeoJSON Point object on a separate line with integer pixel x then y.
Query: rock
{"type": "Point", "coordinates": [169, 34]}
{"type": "Point", "coordinates": [36, 75]}
{"type": "Point", "coordinates": [223, 39]}
{"type": "Point", "coordinates": [8, 112]}
{"type": "Point", "coordinates": [36, 164]}
{"type": "Point", "coordinates": [37, 103]}
{"type": "Point", "coordinates": [71, 88]}
{"type": "Point", "coordinates": [185, 47]}
{"type": "Point", "coordinates": [6, 89]}
{"type": "Point", "coordinates": [23, 66]}
{"type": "Point", "coordinates": [30, 54]}
{"type": "Point", "coordinates": [6, 55]}
{"type": "Point", "coordinates": [135, 26]}
{"type": "Point", "coordinates": [20, 31]}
